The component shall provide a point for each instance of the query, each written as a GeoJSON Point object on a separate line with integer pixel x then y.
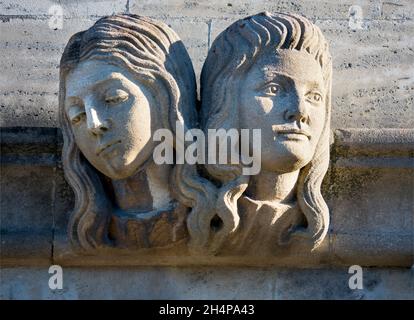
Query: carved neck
{"type": "Point", "coordinates": [273, 187]}
{"type": "Point", "coordinates": [145, 191]}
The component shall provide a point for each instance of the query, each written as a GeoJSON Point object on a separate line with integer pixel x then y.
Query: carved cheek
{"type": "Point", "coordinates": [82, 136]}
{"type": "Point", "coordinates": [317, 120]}
{"type": "Point", "coordinates": [266, 104]}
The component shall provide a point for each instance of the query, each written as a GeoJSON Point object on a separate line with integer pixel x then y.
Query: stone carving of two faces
{"type": "Point", "coordinates": [128, 76]}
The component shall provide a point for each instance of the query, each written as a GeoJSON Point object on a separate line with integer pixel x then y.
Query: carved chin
{"type": "Point", "coordinates": [288, 161]}
{"type": "Point", "coordinates": [116, 168]}
{"type": "Point", "coordinates": [298, 160]}
{"type": "Point", "coordinates": [290, 166]}
{"type": "Point", "coordinates": [299, 164]}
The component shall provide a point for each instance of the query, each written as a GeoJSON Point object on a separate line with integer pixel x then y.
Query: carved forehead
{"type": "Point", "coordinates": [91, 72]}
{"type": "Point", "coordinates": [298, 65]}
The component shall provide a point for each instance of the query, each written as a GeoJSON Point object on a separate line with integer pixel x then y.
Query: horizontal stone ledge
{"type": "Point", "coordinates": [29, 136]}
{"type": "Point", "coordinates": [26, 248]}
{"type": "Point", "coordinates": [207, 283]}
{"type": "Point", "coordinates": [369, 250]}
{"type": "Point", "coordinates": [30, 146]}
{"type": "Point", "coordinates": [367, 163]}
{"type": "Point", "coordinates": [43, 160]}
{"type": "Point", "coordinates": [386, 249]}
{"type": "Point", "coordinates": [379, 142]}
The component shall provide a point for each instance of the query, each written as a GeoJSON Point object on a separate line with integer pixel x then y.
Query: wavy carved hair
{"type": "Point", "coordinates": [233, 52]}
{"type": "Point", "coordinates": [155, 55]}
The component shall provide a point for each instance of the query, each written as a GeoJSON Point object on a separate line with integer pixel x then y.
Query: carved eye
{"type": "Point", "coordinates": [271, 89]}
{"type": "Point", "coordinates": [76, 114]}
{"type": "Point", "coordinates": [314, 97]}
{"type": "Point", "coordinates": [116, 96]}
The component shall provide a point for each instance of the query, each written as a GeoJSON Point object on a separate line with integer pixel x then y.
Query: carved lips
{"type": "Point", "coordinates": [108, 147]}
{"type": "Point", "coordinates": [292, 133]}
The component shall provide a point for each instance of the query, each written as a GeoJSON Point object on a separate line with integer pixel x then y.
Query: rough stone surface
{"type": "Point", "coordinates": [206, 283]}
{"type": "Point", "coordinates": [373, 81]}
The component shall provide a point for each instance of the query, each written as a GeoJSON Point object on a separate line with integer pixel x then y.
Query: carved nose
{"type": "Point", "coordinates": [95, 125]}
{"type": "Point", "coordinates": [297, 113]}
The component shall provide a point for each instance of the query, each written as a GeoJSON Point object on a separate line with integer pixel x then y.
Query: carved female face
{"type": "Point", "coordinates": [112, 117]}
{"type": "Point", "coordinates": [283, 94]}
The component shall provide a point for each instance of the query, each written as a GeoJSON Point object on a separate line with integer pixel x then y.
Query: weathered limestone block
{"type": "Point", "coordinates": [372, 86]}
{"type": "Point", "coordinates": [207, 283]}
{"type": "Point", "coordinates": [27, 195]}
{"type": "Point", "coordinates": [371, 196]}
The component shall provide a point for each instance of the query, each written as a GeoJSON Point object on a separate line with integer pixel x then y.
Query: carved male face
{"type": "Point", "coordinates": [111, 115]}
{"type": "Point", "coordinates": [283, 94]}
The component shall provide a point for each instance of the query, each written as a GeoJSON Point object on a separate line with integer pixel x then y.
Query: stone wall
{"type": "Point", "coordinates": [369, 187]}
{"type": "Point", "coordinates": [373, 71]}
{"type": "Point", "coordinates": [205, 283]}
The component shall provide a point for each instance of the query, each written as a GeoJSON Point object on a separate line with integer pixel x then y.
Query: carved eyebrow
{"type": "Point", "coordinates": [113, 77]}
{"type": "Point", "coordinates": [274, 77]}
{"type": "Point", "coordinates": [315, 85]}
{"type": "Point", "coordinates": [271, 76]}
